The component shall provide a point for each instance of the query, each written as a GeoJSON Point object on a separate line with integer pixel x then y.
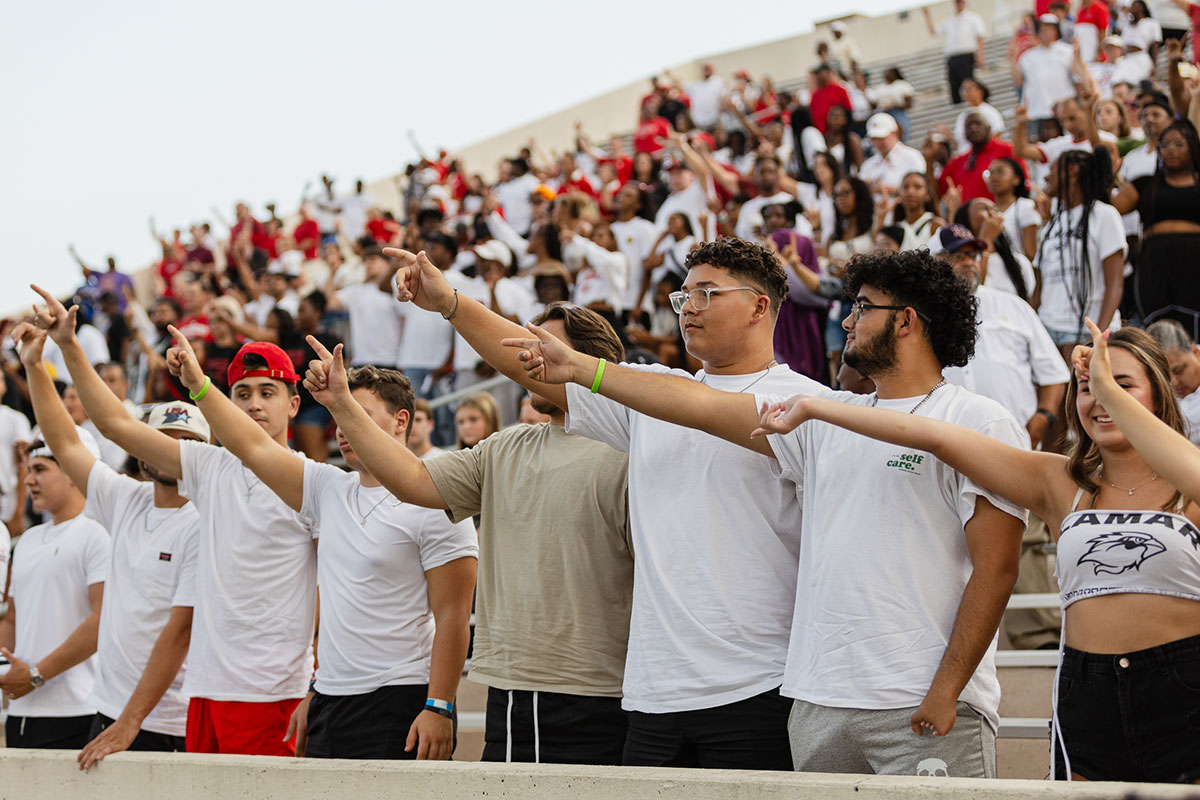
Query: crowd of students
{"type": "Point", "coordinates": [801, 597]}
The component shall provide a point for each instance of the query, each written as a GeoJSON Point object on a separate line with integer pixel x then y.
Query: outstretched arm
{"type": "Point", "coordinates": [727, 415]}
{"type": "Point", "coordinates": [274, 465]}
{"type": "Point", "coordinates": [1023, 477]}
{"type": "Point", "coordinates": [420, 282]}
{"type": "Point", "coordinates": [390, 462]}
{"type": "Point", "coordinates": [170, 651]}
{"type": "Point", "coordinates": [103, 407]}
{"type": "Point", "coordinates": [57, 427]}
{"type": "Point", "coordinates": [1167, 452]}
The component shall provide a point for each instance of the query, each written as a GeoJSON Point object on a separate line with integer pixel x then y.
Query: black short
{"type": "Point", "coordinates": [48, 733]}
{"type": "Point", "coordinates": [145, 741]}
{"type": "Point", "coordinates": [371, 725]}
{"type": "Point", "coordinates": [1134, 716]}
{"type": "Point", "coordinates": [553, 728]}
{"type": "Point", "coordinates": [748, 734]}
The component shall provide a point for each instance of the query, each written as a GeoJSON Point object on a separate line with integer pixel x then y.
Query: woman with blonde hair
{"type": "Point", "coordinates": [1128, 688]}
{"type": "Point", "coordinates": [476, 418]}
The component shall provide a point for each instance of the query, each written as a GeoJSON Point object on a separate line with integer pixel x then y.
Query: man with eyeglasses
{"type": "Point", "coordinates": [716, 536]}
{"type": "Point", "coordinates": [905, 565]}
{"type": "Point", "coordinates": [967, 169]}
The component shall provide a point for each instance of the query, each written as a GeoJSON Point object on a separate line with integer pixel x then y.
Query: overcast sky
{"type": "Point", "coordinates": [119, 112]}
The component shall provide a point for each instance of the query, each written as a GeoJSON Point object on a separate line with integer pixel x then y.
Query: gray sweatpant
{"type": "Point", "coordinates": [870, 741]}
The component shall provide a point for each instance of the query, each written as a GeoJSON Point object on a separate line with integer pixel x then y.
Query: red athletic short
{"type": "Point", "coordinates": [230, 726]}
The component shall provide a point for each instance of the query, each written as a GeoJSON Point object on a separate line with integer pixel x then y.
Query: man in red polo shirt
{"type": "Point", "coordinates": [827, 94]}
{"type": "Point", "coordinates": [967, 168]}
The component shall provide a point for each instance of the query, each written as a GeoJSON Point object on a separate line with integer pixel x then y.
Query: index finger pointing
{"type": "Point", "coordinates": [318, 347]}
{"type": "Point", "coordinates": [49, 298]}
{"type": "Point", "coordinates": [180, 339]}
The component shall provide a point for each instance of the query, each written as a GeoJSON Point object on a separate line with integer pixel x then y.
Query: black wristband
{"type": "Point", "coordinates": [1049, 415]}
{"type": "Point", "coordinates": [445, 712]}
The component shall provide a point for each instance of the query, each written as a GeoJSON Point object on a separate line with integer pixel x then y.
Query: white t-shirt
{"type": "Point", "coordinates": [635, 238]}
{"type": "Point", "coordinates": [1012, 355]}
{"type": "Point", "coordinates": [894, 95]}
{"type": "Point", "coordinates": [256, 584]}
{"type": "Point", "coordinates": [961, 32]}
{"type": "Point", "coordinates": [691, 201]}
{"type": "Point", "coordinates": [601, 276]}
{"type": "Point", "coordinates": [1020, 215]}
{"type": "Point", "coordinates": [14, 427]}
{"type": "Point", "coordinates": [153, 568]}
{"type": "Point", "coordinates": [425, 340]}
{"type": "Point", "coordinates": [890, 170]}
{"type": "Point", "coordinates": [376, 623]}
{"type": "Point", "coordinates": [811, 196]}
{"type": "Point", "coordinates": [706, 96]}
{"type": "Point", "coordinates": [1047, 73]}
{"type": "Point", "coordinates": [1190, 406]}
{"type": "Point", "coordinates": [465, 357]}
{"type": "Point", "coordinates": [374, 325]}
{"type": "Point", "coordinates": [513, 197]}
{"type": "Point", "coordinates": [883, 558]}
{"type": "Point", "coordinates": [1137, 162]}
{"type": "Point", "coordinates": [1062, 308]}
{"type": "Point", "coordinates": [717, 540]}
{"type": "Point", "coordinates": [999, 280]}
{"type": "Point", "coordinates": [1148, 31]}
{"type": "Point", "coordinates": [53, 566]}
{"type": "Point", "coordinates": [751, 215]}
{"type": "Point", "coordinates": [675, 255]}
{"type": "Point", "coordinates": [110, 452]}
{"type": "Point", "coordinates": [354, 209]}
{"type": "Point", "coordinates": [994, 119]}
{"type": "Point", "coordinates": [1132, 68]}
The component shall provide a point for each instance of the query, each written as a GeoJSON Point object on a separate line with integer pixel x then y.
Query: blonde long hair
{"type": "Point", "coordinates": [485, 404]}
{"type": "Point", "coordinates": [1083, 457]}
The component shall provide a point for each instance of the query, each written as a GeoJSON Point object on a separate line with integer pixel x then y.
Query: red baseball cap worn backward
{"type": "Point", "coordinates": [279, 366]}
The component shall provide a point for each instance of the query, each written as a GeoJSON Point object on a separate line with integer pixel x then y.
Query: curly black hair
{"type": "Point", "coordinates": [749, 261]}
{"type": "Point", "coordinates": [930, 286]}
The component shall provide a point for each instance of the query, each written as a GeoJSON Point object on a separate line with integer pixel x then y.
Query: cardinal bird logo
{"type": "Point", "coordinates": [1118, 552]}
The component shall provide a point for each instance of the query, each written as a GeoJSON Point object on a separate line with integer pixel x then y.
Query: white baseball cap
{"type": "Point", "coordinates": [493, 250]}
{"type": "Point", "coordinates": [43, 450]}
{"type": "Point", "coordinates": [881, 125]}
{"type": "Point", "coordinates": [180, 417]}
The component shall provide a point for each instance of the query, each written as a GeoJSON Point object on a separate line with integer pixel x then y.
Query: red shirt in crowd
{"type": "Point", "coordinates": [1095, 13]}
{"type": "Point", "coordinates": [645, 140]}
{"type": "Point", "coordinates": [1194, 13]}
{"type": "Point", "coordinates": [826, 98]}
{"type": "Point", "coordinates": [308, 229]}
{"type": "Point", "coordinates": [966, 170]}
{"type": "Point", "coordinates": [383, 230]}
{"type": "Point", "coordinates": [623, 165]}
{"type": "Point", "coordinates": [166, 270]}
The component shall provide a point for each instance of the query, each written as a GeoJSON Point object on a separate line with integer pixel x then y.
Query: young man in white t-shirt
{"type": "Point", "coordinates": [905, 566]}
{"type": "Point", "coordinates": [706, 645]}
{"type": "Point", "coordinates": [48, 634]}
{"type": "Point", "coordinates": [963, 33]}
{"type": "Point", "coordinates": [555, 574]}
{"type": "Point", "coordinates": [375, 316]}
{"type": "Point", "coordinates": [250, 658]}
{"type": "Point", "coordinates": [388, 572]}
{"type": "Point", "coordinates": [146, 620]}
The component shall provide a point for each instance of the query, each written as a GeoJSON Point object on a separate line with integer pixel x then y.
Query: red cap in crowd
{"type": "Point", "coordinates": [279, 366]}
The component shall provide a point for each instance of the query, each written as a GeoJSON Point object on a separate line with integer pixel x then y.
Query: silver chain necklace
{"type": "Point", "coordinates": [923, 400]}
{"type": "Point", "coordinates": [766, 372]}
{"type": "Point", "coordinates": [358, 504]}
{"type": "Point", "coordinates": [1134, 489]}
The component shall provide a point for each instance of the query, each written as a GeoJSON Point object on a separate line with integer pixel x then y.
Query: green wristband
{"type": "Point", "coordinates": [599, 377]}
{"type": "Point", "coordinates": [197, 396]}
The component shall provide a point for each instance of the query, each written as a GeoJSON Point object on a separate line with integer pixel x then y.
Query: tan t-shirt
{"type": "Point", "coordinates": [555, 580]}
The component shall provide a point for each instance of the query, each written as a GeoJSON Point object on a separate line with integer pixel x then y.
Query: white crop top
{"type": "Point", "coordinates": [1112, 551]}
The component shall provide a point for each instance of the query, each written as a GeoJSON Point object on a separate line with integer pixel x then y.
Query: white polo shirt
{"type": "Point", "coordinates": [256, 584]}
{"type": "Point", "coordinates": [152, 569]}
{"type": "Point", "coordinates": [53, 566]}
{"type": "Point", "coordinates": [376, 624]}
{"type": "Point", "coordinates": [1012, 355]}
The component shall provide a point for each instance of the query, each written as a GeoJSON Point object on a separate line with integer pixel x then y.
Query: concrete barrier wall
{"type": "Point", "coordinates": [35, 775]}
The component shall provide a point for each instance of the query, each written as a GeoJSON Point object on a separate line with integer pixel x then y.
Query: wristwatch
{"type": "Point", "coordinates": [35, 677]}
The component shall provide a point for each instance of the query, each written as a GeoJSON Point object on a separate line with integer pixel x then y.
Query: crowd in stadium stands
{"type": "Point", "coordinates": [754, 258]}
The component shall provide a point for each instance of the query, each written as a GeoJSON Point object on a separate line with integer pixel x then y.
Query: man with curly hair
{"type": "Point", "coordinates": [905, 565]}
{"type": "Point", "coordinates": [716, 536]}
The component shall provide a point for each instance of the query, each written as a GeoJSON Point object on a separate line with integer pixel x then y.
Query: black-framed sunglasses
{"type": "Point", "coordinates": [858, 307]}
